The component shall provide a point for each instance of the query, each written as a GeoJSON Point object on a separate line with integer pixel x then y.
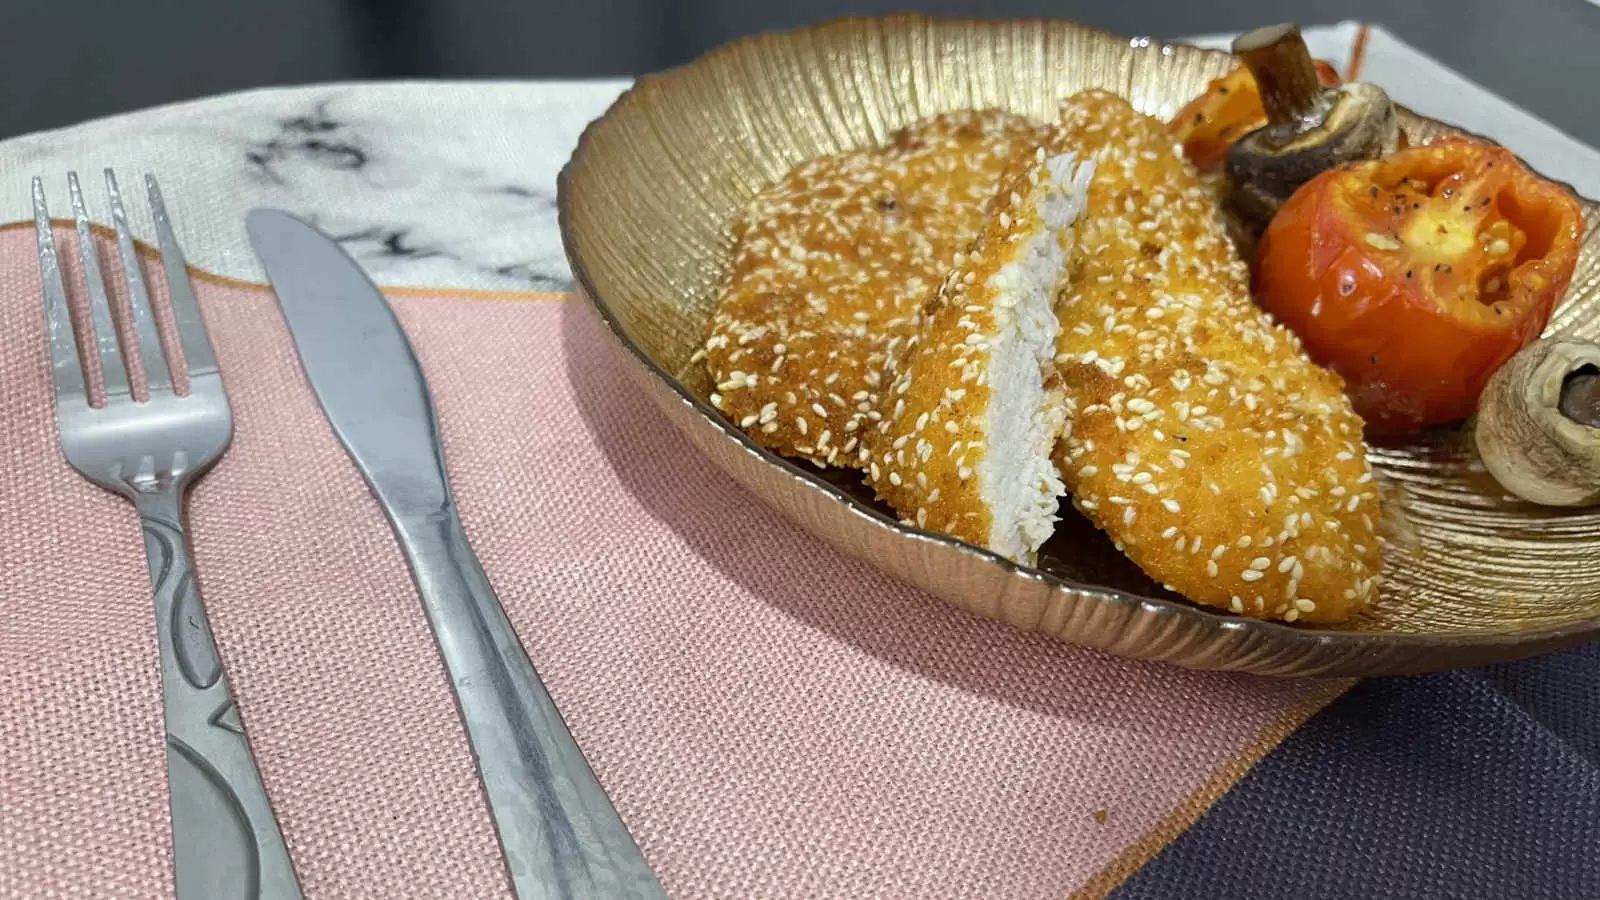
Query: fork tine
{"type": "Point", "coordinates": [65, 371]}
{"type": "Point", "coordinates": [197, 352]}
{"type": "Point", "coordinates": [113, 374]}
{"type": "Point", "coordinates": [157, 376]}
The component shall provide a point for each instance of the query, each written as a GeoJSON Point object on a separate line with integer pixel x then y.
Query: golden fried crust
{"type": "Point", "coordinates": [832, 266]}
{"type": "Point", "coordinates": [925, 446]}
{"type": "Point", "coordinates": [1201, 437]}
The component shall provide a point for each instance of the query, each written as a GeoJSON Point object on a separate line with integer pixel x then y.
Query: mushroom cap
{"type": "Point", "coordinates": [1527, 433]}
{"type": "Point", "coordinates": [1353, 121]}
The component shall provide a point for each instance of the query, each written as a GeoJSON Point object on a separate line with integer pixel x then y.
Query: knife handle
{"type": "Point", "coordinates": [225, 841]}
{"type": "Point", "coordinates": [559, 833]}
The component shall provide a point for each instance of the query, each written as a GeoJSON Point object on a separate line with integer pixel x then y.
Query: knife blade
{"type": "Point", "coordinates": [558, 832]}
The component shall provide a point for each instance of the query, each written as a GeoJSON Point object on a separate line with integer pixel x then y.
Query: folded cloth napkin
{"type": "Point", "coordinates": [771, 718]}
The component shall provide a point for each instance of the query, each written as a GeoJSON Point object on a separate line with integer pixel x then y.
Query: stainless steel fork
{"type": "Point", "coordinates": [225, 840]}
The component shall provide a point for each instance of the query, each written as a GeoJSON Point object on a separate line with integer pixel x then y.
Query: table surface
{"type": "Point", "coordinates": [453, 183]}
{"type": "Point", "coordinates": [1537, 53]}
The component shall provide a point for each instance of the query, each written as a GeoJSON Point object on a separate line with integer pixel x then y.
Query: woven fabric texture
{"type": "Point", "coordinates": [1481, 783]}
{"type": "Point", "coordinates": [772, 720]}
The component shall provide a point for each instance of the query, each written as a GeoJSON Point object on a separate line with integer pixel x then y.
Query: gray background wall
{"type": "Point", "coordinates": [64, 62]}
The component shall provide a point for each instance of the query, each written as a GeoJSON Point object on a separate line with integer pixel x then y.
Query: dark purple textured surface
{"type": "Point", "coordinates": [1475, 784]}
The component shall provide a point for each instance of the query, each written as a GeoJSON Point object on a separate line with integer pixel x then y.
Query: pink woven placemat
{"type": "Point", "coordinates": [772, 720]}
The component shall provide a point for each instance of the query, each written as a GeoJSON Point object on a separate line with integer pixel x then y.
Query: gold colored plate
{"type": "Point", "coordinates": [647, 206]}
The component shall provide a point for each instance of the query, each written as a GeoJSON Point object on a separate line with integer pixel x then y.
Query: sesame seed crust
{"type": "Point", "coordinates": [925, 451]}
{"type": "Point", "coordinates": [830, 273]}
{"type": "Point", "coordinates": [1201, 438]}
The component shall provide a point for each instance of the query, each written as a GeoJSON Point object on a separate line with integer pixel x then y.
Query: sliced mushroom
{"type": "Point", "coordinates": [1310, 127]}
{"type": "Point", "coordinates": [1538, 428]}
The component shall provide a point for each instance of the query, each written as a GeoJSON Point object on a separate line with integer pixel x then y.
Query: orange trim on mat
{"type": "Point", "coordinates": [150, 253]}
{"type": "Point", "coordinates": [1183, 815]}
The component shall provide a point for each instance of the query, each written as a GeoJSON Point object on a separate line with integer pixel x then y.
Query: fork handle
{"type": "Point", "coordinates": [225, 841]}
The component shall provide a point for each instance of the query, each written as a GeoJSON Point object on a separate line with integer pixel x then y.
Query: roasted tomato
{"type": "Point", "coordinates": [1416, 275]}
{"type": "Point", "coordinates": [1229, 109]}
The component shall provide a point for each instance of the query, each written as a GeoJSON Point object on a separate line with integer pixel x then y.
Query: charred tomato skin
{"type": "Point", "coordinates": [1417, 275]}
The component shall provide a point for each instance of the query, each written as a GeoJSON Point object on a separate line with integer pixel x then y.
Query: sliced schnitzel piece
{"type": "Point", "coordinates": [832, 267]}
{"type": "Point", "coordinates": [967, 426]}
{"type": "Point", "coordinates": [1200, 437]}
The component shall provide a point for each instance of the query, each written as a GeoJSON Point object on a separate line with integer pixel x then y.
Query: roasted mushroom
{"type": "Point", "coordinates": [1310, 127]}
{"type": "Point", "coordinates": [1538, 428]}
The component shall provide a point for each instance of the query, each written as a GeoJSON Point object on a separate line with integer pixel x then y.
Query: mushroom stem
{"type": "Point", "coordinates": [1285, 74]}
{"type": "Point", "coordinates": [1538, 428]}
{"type": "Point", "coordinates": [1311, 128]}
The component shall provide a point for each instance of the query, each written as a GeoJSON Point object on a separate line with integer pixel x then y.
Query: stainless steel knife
{"type": "Point", "coordinates": [558, 831]}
